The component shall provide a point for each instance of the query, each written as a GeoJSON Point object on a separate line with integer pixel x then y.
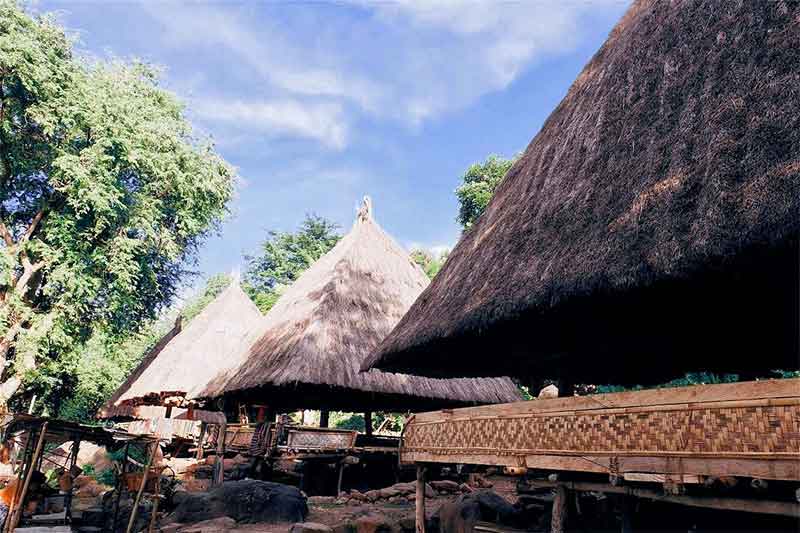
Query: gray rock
{"type": "Point", "coordinates": [310, 527]}
{"type": "Point", "coordinates": [246, 501]}
{"type": "Point", "coordinates": [485, 505]}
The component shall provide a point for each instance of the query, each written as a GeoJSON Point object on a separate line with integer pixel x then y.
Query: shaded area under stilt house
{"type": "Point", "coordinates": [308, 350]}
{"type": "Point", "coordinates": [651, 226]}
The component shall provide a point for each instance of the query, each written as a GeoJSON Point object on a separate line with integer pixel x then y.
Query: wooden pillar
{"type": "Point", "coordinates": [142, 485]}
{"type": "Point", "coordinates": [119, 485]}
{"type": "Point", "coordinates": [558, 523]}
{"type": "Point", "coordinates": [368, 422]}
{"type": "Point", "coordinates": [76, 445]}
{"type": "Point", "coordinates": [20, 506]}
{"type": "Point", "coordinates": [324, 418]}
{"type": "Point", "coordinates": [199, 452]}
{"type": "Point", "coordinates": [627, 504]}
{"type": "Point", "coordinates": [219, 466]}
{"type": "Point", "coordinates": [420, 500]}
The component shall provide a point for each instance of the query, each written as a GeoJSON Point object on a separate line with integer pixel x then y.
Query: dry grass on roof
{"type": "Point", "coordinates": [324, 326]}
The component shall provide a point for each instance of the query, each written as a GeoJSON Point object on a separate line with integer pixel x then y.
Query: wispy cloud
{"type": "Point", "coordinates": [323, 122]}
{"type": "Point", "coordinates": [408, 61]}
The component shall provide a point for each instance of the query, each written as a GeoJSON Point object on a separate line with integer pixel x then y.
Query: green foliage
{"type": "Point", "coordinates": [347, 421]}
{"type": "Point", "coordinates": [478, 185]}
{"type": "Point", "coordinates": [284, 256]}
{"type": "Point", "coordinates": [691, 378]}
{"type": "Point", "coordinates": [430, 262]}
{"type": "Point", "coordinates": [355, 421]}
{"type": "Point", "coordinates": [105, 195]}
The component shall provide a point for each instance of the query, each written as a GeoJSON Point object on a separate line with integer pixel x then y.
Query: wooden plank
{"type": "Point", "coordinates": [642, 477]}
{"type": "Point", "coordinates": [558, 521]}
{"type": "Point", "coordinates": [420, 500]}
{"type": "Point", "coordinates": [727, 504]}
{"type": "Point", "coordinates": [788, 469]}
{"type": "Point", "coordinates": [678, 397]}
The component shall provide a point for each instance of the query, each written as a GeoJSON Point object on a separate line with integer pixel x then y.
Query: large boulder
{"type": "Point", "coordinates": [310, 527]}
{"type": "Point", "coordinates": [246, 501]}
{"type": "Point", "coordinates": [460, 515]}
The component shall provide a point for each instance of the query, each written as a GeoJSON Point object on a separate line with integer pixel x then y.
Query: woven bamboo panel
{"type": "Point", "coordinates": [755, 436]}
{"type": "Point", "coordinates": [322, 439]}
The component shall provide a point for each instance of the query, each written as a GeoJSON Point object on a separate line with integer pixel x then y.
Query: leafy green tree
{"type": "Point", "coordinates": [105, 195]}
{"type": "Point", "coordinates": [478, 185]}
{"type": "Point", "coordinates": [430, 262]}
{"type": "Point", "coordinates": [284, 256]}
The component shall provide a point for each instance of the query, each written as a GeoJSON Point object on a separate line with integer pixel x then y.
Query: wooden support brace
{"type": "Point", "coordinates": [368, 422]}
{"type": "Point", "coordinates": [420, 500]}
{"type": "Point", "coordinates": [558, 523]}
{"type": "Point", "coordinates": [219, 464]}
{"type": "Point", "coordinates": [20, 503]}
{"type": "Point", "coordinates": [135, 508]}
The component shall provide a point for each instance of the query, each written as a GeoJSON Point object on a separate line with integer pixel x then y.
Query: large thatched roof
{"type": "Point", "coordinates": [308, 351]}
{"type": "Point", "coordinates": [185, 360]}
{"type": "Point", "coordinates": [650, 228]}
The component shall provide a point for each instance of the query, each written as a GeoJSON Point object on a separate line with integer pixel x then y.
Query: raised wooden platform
{"type": "Point", "coordinates": [749, 429]}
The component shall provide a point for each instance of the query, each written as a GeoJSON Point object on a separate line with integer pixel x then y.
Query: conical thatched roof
{"type": "Point", "coordinates": [650, 228]}
{"type": "Point", "coordinates": [308, 351]}
{"type": "Point", "coordinates": [186, 360]}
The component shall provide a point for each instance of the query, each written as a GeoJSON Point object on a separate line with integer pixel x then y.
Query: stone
{"type": "Point", "coordinates": [356, 495]}
{"type": "Point", "coordinates": [373, 495]}
{"type": "Point", "coordinates": [216, 525]}
{"type": "Point", "coordinates": [446, 486]}
{"type": "Point", "coordinates": [465, 488]}
{"type": "Point", "coordinates": [405, 488]}
{"type": "Point", "coordinates": [551, 391]}
{"type": "Point", "coordinates": [389, 492]}
{"type": "Point", "coordinates": [310, 527]}
{"type": "Point", "coordinates": [372, 523]}
{"type": "Point", "coordinates": [323, 500]}
{"type": "Point", "coordinates": [485, 506]}
{"type": "Point", "coordinates": [246, 501]}
{"type": "Point", "coordinates": [429, 492]}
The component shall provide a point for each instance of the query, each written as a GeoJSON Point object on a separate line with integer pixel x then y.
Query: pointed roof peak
{"type": "Point", "coordinates": [365, 211]}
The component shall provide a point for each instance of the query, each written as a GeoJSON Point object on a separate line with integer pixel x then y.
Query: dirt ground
{"type": "Point", "coordinates": [333, 514]}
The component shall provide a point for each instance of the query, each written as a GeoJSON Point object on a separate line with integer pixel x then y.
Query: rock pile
{"type": "Point", "coordinates": [399, 494]}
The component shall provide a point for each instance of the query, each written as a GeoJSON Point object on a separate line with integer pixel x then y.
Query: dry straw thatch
{"type": "Point", "coordinates": [185, 360]}
{"type": "Point", "coordinates": [308, 350]}
{"type": "Point", "coordinates": [651, 227]}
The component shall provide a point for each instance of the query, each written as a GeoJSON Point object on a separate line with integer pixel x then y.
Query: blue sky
{"type": "Point", "coordinates": [318, 103]}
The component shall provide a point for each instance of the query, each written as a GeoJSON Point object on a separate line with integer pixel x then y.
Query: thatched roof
{"type": "Point", "coordinates": [650, 228]}
{"type": "Point", "coordinates": [308, 351]}
{"type": "Point", "coordinates": [185, 360]}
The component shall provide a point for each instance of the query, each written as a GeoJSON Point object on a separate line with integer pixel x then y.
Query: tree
{"type": "Point", "coordinates": [430, 261]}
{"type": "Point", "coordinates": [478, 185]}
{"type": "Point", "coordinates": [105, 195]}
{"type": "Point", "coordinates": [284, 256]}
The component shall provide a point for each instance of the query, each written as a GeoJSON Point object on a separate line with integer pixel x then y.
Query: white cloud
{"type": "Point", "coordinates": [323, 122]}
{"type": "Point", "coordinates": [406, 60]}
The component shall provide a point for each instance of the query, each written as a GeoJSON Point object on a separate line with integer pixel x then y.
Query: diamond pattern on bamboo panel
{"type": "Point", "coordinates": [767, 429]}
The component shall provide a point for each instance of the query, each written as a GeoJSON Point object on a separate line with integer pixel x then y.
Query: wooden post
{"type": "Point", "coordinates": [342, 464]}
{"type": "Point", "coordinates": [24, 466]}
{"type": "Point", "coordinates": [420, 515]}
{"type": "Point", "coordinates": [219, 466]}
{"type": "Point", "coordinates": [627, 514]}
{"type": "Point", "coordinates": [324, 418]}
{"type": "Point", "coordinates": [142, 485]}
{"type": "Point", "coordinates": [120, 483]}
{"type": "Point", "coordinates": [76, 445]}
{"type": "Point", "coordinates": [21, 501]}
{"type": "Point", "coordinates": [156, 499]}
{"type": "Point", "coordinates": [558, 523]}
{"type": "Point", "coordinates": [368, 422]}
{"type": "Point", "coordinates": [199, 452]}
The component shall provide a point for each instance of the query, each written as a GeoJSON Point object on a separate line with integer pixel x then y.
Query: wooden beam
{"type": "Point", "coordinates": [142, 485]}
{"type": "Point", "coordinates": [368, 422]}
{"type": "Point", "coordinates": [219, 464]}
{"type": "Point", "coordinates": [324, 418]}
{"type": "Point", "coordinates": [20, 504]}
{"type": "Point", "coordinates": [558, 522]}
{"type": "Point", "coordinates": [420, 499]}
{"type": "Point", "coordinates": [726, 504]}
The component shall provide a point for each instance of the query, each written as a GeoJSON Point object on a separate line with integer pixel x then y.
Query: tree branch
{"type": "Point", "coordinates": [33, 225]}
{"type": "Point", "coordinates": [7, 237]}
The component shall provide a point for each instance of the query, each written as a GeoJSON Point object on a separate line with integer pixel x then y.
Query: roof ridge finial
{"type": "Point", "coordinates": [365, 211]}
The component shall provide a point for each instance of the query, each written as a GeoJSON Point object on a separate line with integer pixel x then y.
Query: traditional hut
{"type": "Point", "coordinates": [184, 361]}
{"type": "Point", "coordinates": [308, 350]}
{"type": "Point", "coordinates": [651, 226]}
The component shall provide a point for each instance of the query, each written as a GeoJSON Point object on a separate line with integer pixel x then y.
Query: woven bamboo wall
{"type": "Point", "coordinates": [738, 429]}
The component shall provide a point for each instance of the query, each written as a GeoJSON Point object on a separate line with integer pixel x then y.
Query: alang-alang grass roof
{"type": "Point", "coordinates": [308, 350]}
{"type": "Point", "coordinates": [185, 360]}
{"type": "Point", "coordinates": [650, 228]}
